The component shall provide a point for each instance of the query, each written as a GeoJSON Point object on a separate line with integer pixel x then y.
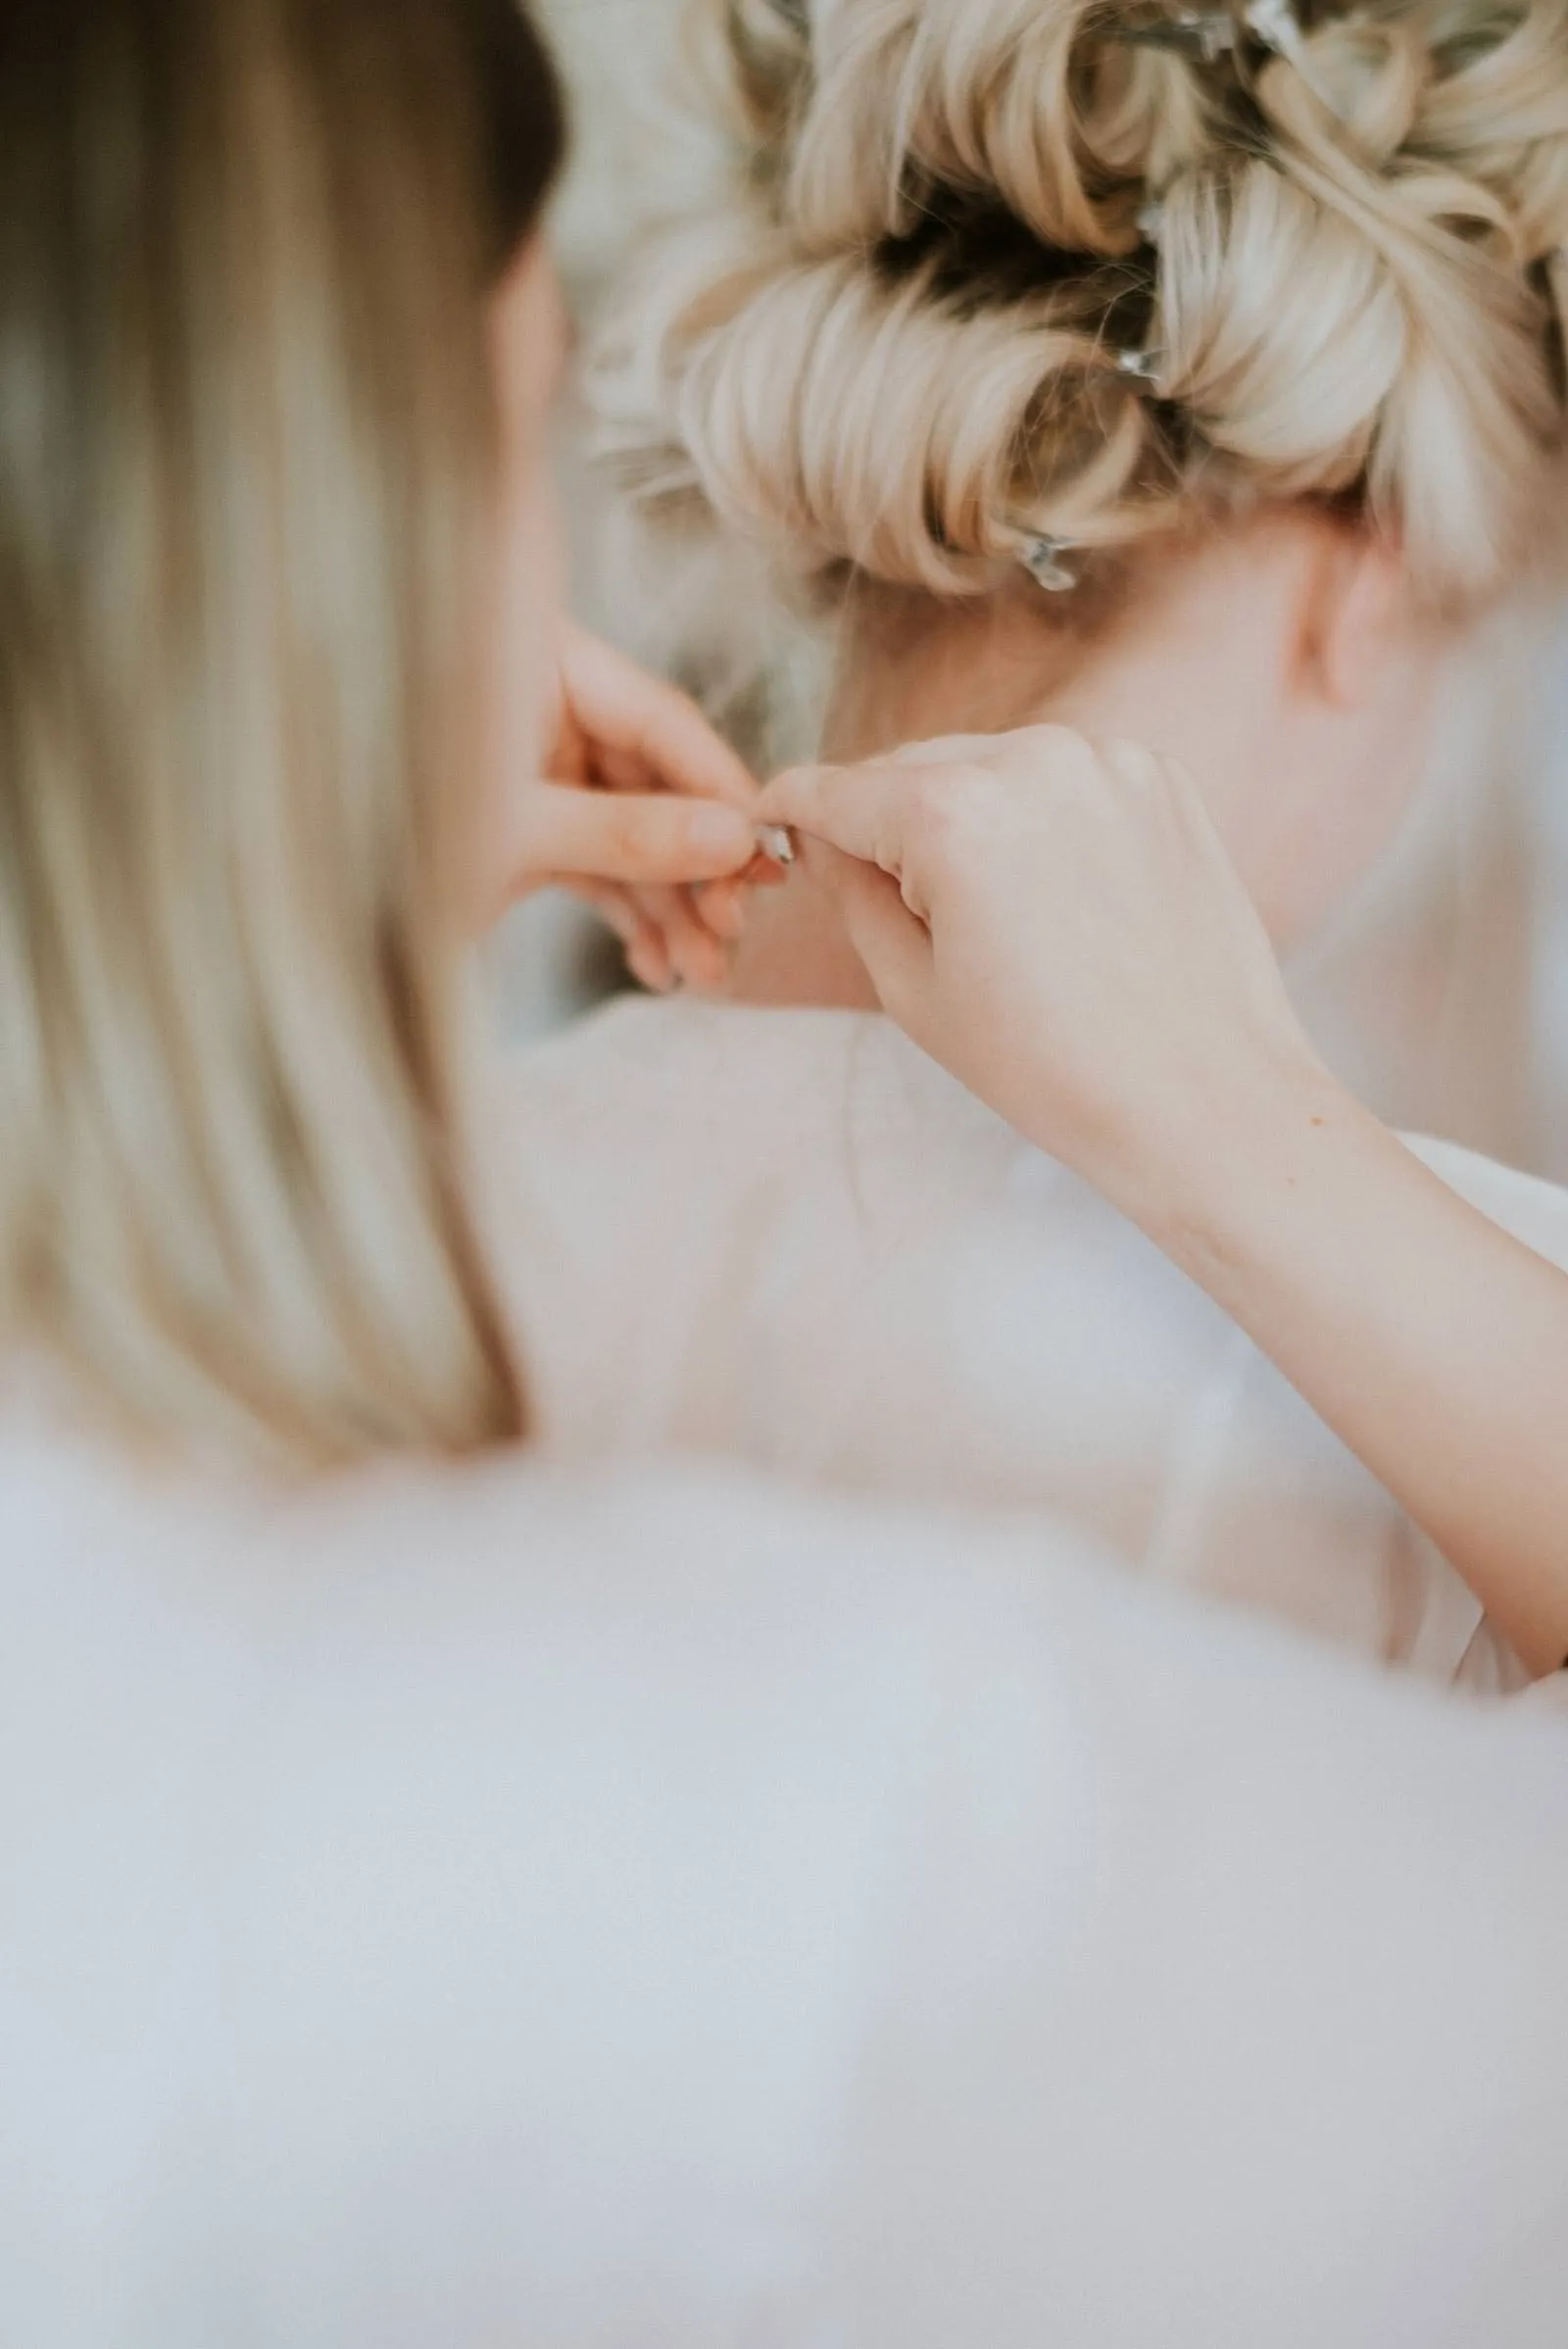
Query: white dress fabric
{"type": "Point", "coordinates": [486, 1910]}
{"type": "Point", "coordinates": [789, 1237]}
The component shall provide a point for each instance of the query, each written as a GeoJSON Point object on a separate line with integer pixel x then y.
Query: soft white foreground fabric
{"type": "Point", "coordinates": [490, 1913]}
{"type": "Point", "coordinates": [788, 1236]}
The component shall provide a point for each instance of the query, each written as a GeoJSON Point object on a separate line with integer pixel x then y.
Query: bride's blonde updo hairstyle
{"type": "Point", "coordinates": [1007, 282]}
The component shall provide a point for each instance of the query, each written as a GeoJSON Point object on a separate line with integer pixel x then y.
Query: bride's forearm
{"type": "Point", "coordinates": [1434, 1344]}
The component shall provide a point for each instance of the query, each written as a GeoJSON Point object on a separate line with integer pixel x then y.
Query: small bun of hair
{"type": "Point", "coordinates": [997, 270]}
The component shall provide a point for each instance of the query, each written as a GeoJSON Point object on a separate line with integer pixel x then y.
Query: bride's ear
{"type": "Point", "coordinates": [1356, 616]}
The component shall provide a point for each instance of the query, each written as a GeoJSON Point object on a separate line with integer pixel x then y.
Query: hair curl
{"type": "Point", "coordinates": [903, 350]}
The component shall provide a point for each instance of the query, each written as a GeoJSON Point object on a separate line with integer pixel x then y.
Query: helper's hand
{"type": "Point", "coordinates": [1058, 924]}
{"type": "Point", "coordinates": [1061, 925]}
{"type": "Point", "coordinates": [644, 813]}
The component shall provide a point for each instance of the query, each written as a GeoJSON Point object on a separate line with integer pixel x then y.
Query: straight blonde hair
{"type": "Point", "coordinates": [245, 457]}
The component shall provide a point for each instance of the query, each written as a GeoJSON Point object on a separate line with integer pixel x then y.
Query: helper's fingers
{"type": "Point", "coordinates": [626, 713]}
{"type": "Point", "coordinates": [658, 929]}
{"type": "Point", "coordinates": [891, 943]}
{"type": "Point", "coordinates": [721, 906]}
{"type": "Point", "coordinates": [695, 954]}
{"type": "Point", "coordinates": [922, 818]}
{"type": "Point", "coordinates": [646, 953]}
{"type": "Point", "coordinates": [1038, 751]}
{"type": "Point", "coordinates": [921, 824]}
{"type": "Point", "coordinates": [610, 836]}
{"type": "Point", "coordinates": [947, 750]}
{"type": "Point", "coordinates": [864, 811]}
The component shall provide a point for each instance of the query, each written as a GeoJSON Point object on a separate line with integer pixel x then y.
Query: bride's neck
{"type": "Point", "coordinates": [902, 679]}
{"type": "Point", "coordinates": [1235, 658]}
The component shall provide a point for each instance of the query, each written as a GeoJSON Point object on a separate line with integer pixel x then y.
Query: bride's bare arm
{"type": "Point", "coordinates": [1060, 925]}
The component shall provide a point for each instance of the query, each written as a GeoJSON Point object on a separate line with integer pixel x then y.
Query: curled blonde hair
{"type": "Point", "coordinates": [1095, 270]}
{"type": "Point", "coordinates": [245, 459]}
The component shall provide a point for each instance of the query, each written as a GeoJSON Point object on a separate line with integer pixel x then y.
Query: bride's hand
{"type": "Point", "coordinates": [1058, 924]}
{"type": "Point", "coordinates": [643, 812]}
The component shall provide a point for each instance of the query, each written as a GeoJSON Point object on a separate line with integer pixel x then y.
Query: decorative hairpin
{"type": "Point", "coordinates": [1042, 559]}
{"type": "Point", "coordinates": [1206, 35]}
{"type": "Point", "coordinates": [1210, 34]}
{"type": "Point", "coordinates": [1142, 366]}
{"type": "Point", "coordinates": [1274, 23]}
{"type": "Point", "coordinates": [776, 842]}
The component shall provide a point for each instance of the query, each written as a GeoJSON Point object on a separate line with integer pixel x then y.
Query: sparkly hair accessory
{"type": "Point", "coordinates": [1042, 554]}
{"type": "Point", "coordinates": [1042, 559]}
{"type": "Point", "coordinates": [1274, 23]}
{"type": "Point", "coordinates": [1142, 365]}
{"type": "Point", "coordinates": [1206, 33]}
{"type": "Point", "coordinates": [1210, 34]}
{"type": "Point", "coordinates": [776, 842]}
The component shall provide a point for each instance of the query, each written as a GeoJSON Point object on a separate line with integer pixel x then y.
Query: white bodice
{"type": "Point", "coordinates": [790, 1237]}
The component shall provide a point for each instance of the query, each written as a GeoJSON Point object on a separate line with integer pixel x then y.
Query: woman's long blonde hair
{"type": "Point", "coordinates": [245, 451]}
{"type": "Point", "coordinates": [992, 272]}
